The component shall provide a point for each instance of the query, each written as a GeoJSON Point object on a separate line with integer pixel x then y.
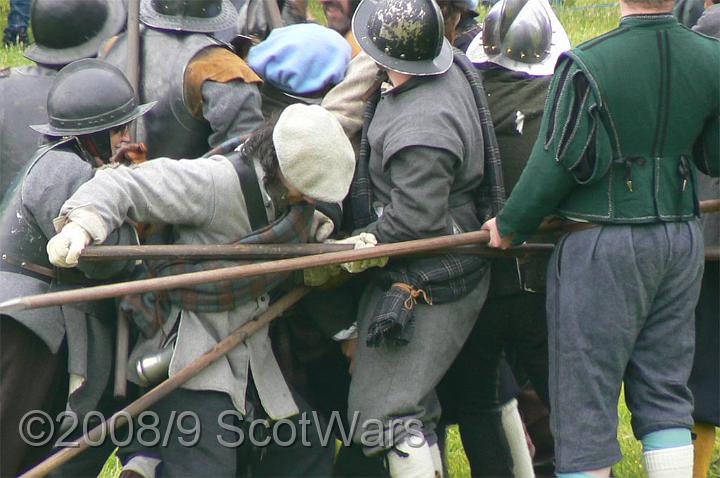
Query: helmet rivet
{"type": "Point", "coordinates": [387, 50]}
{"type": "Point", "coordinates": [402, 55]}
{"type": "Point", "coordinates": [509, 50]}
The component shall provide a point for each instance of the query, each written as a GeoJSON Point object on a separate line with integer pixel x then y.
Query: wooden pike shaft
{"type": "Point", "coordinates": [133, 54]}
{"type": "Point", "coordinates": [236, 272]}
{"type": "Point", "coordinates": [210, 251]}
{"type": "Point", "coordinates": [264, 251]}
{"type": "Point", "coordinates": [120, 418]}
{"type": "Point", "coordinates": [285, 265]}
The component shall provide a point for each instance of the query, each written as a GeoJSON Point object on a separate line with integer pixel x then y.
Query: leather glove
{"type": "Point", "coordinates": [132, 153]}
{"type": "Point", "coordinates": [65, 248]}
{"type": "Point", "coordinates": [361, 241]}
{"type": "Point", "coordinates": [321, 227]}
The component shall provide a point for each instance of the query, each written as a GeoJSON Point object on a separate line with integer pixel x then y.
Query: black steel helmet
{"type": "Point", "coordinates": [69, 30]}
{"type": "Point", "coordinates": [89, 96]}
{"type": "Point", "coordinates": [407, 36]}
{"type": "Point", "coordinates": [519, 30]}
{"type": "Point", "coordinates": [201, 16]}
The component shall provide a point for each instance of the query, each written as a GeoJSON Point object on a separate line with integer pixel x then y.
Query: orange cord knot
{"type": "Point", "coordinates": [414, 294]}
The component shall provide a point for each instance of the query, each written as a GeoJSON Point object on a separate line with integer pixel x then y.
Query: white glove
{"type": "Point", "coordinates": [321, 227]}
{"type": "Point", "coordinates": [361, 241]}
{"type": "Point", "coordinates": [65, 248]}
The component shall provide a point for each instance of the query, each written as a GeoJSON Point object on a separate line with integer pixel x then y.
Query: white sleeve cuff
{"type": "Point", "coordinates": [86, 217]}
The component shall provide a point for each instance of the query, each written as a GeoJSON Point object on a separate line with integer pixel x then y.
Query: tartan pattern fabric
{"type": "Point", "coordinates": [491, 194]}
{"type": "Point", "coordinates": [444, 278]}
{"type": "Point", "coordinates": [441, 279]}
{"type": "Point", "coordinates": [149, 310]}
{"type": "Point", "coordinates": [360, 188]}
{"type": "Point", "coordinates": [393, 319]}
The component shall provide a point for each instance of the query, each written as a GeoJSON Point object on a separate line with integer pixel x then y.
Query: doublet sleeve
{"type": "Point", "coordinates": [345, 101]}
{"type": "Point", "coordinates": [421, 181]}
{"type": "Point", "coordinates": [163, 190]}
{"type": "Point", "coordinates": [233, 109]}
{"type": "Point", "coordinates": [221, 88]}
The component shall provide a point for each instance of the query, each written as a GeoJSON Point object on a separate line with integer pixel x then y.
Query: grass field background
{"type": "Point", "coordinates": [583, 19]}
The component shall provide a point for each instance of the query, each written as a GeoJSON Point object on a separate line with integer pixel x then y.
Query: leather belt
{"type": "Point", "coordinates": [19, 266]}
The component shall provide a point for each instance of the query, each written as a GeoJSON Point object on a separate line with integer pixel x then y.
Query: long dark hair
{"type": "Point", "coordinates": [260, 146]}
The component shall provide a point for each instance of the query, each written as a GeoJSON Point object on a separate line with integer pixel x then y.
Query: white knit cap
{"type": "Point", "coordinates": [314, 154]}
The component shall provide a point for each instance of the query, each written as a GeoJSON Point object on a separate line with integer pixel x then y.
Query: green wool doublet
{"type": "Point", "coordinates": [631, 115]}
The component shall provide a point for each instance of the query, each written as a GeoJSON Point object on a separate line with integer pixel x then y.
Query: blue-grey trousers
{"type": "Point", "coordinates": [19, 14]}
{"type": "Point", "coordinates": [620, 309]}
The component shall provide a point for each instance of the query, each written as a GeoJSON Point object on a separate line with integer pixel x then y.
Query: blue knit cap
{"type": "Point", "coordinates": [301, 59]}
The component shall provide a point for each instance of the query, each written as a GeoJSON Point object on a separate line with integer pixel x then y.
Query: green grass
{"type": "Point", "coordinates": [581, 24]}
{"type": "Point", "coordinates": [9, 56]}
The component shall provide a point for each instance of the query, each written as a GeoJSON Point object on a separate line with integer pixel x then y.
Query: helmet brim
{"type": "Point", "coordinates": [49, 130]}
{"type": "Point", "coordinates": [117, 17]}
{"type": "Point", "coordinates": [436, 66]}
{"type": "Point", "coordinates": [226, 19]}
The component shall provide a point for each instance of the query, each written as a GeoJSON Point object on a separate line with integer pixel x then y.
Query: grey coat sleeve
{"type": "Point", "coordinates": [232, 109]}
{"type": "Point", "coordinates": [49, 184]}
{"type": "Point", "coordinates": [421, 181]}
{"type": "Point", "coordinates": [200, 193]}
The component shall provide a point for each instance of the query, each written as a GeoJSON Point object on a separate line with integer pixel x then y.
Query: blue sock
{"type": "Point", "coordinates": [668, 438]}
{"type": "Point", "coordinates": [577, 474]}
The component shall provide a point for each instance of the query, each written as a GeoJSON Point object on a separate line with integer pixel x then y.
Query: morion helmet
{"type": "Point", "coordinates": [407, 36]}
{"type": "Point", "coordinates": [89, 97]}
{"type": "Point", "coordinates": [200, 16]}
{"type": "Point", "coordinates": [66, 30]}
{"type": "Point", "coordinates": [522, 35]}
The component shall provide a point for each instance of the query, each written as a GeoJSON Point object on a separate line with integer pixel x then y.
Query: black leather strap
{"type": "Point", "coordinates": [250, 189]}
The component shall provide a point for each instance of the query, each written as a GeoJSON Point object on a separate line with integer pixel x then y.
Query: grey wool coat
{"type": "Point", "coordinates": [425, 165]}
{"type": "Point", "coordinates": [87, 328]}
{"type": "Point", "coordinates": [203, 199]}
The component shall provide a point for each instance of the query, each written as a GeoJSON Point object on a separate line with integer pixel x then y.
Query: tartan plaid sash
{"type": "Point", "coordinates": [149, 310]}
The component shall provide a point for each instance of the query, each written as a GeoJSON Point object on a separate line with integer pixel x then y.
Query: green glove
{"type": "Point", "coordinates": [361, 241]}
{"type": "Point", "coordinates": [317, 276]}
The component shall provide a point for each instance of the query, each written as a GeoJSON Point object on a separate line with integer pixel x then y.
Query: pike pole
{"type": "Point", "coordinates": [248, 270]}
{"type": "Point", "coordinates": [120, 418]}
{"type": "Point", "coordinates": [267, 251]}
{"type": "Point", "coordinates": [122, 336]}
{"type": "Point", "coordinates": [284, 265]}
{"type": "Point", "coordinates": [133, 53]}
